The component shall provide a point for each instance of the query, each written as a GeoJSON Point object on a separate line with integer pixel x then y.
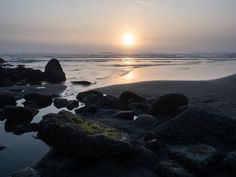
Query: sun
{"type": "Point", "coordinates": [128, 39]}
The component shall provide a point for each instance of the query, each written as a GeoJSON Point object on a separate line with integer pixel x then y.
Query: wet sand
{"type": "Point", "coordinates": [217, 96]}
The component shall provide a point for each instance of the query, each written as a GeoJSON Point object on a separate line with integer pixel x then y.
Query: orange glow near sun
{"type": "Point", "coordinates": [128, 39]}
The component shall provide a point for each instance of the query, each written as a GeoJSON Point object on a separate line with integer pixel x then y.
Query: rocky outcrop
{"type": "Point", "coordinates": [77, 136]}
{"type": "Point", "coordinates": [168, 104]}
{"type": "Point", "coordinates": [38, 101]}
{"type": "Point", "coordinates": [131, 97]}
{"type": "Point", "coordinates": [25, 128]}
{"type": "Point", "coordinates": [89, 97]}
{"type": "Point", "coordinates": [72, 104]}
{"type": "Point", "coordinates": [53, 72]}
{"type": "Point", "coordinates": [195, 126]}
{"type": "Point", "coordinates": [7, 99]}
{"type": "Point", "coordinates": [60, 102]}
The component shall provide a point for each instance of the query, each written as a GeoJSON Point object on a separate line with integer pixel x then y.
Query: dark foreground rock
{"type": "Point", "coordinates": [194, 126]}
{"type": "Point", "coordinates": [25, 128]}
{"type": "Point", "coordinates": [145, 121]}
{"type": "Point", "coordinates": [76, 136]}
{"type": "Point", "coordinates": [72, 104]}
{"type": "Point", "coordinates": [89, 97]}
{"type": "Point", "coordinates": [26, 172]}
{"type": "Point", "coordinates": [126, 115]}
{"type": "Point", "coordinates": [168, 104]}
{"type": "Point", "coordinates": [2, 147]}
{"type": "Point", "coordinates": [7, 99]}
{"type": "Point", "coordinates": [230, 162]}
{"type": "Point", "coordinates": [131, 97]}
{"type": "Point", "coordinates": [197, 158]}
{"type": "Point", "coordinates": [85, 83]}
{"type": "Point", "coordinates": [54, 72]}
{"type": "Point", "coordinates": [38, 101]}
{"type": "Point", "coordinates": [60, 102]}
{"type": "Point", "coordinates": [171, 169]}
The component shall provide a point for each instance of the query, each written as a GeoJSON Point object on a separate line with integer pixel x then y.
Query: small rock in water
{"type": "Point", "coordinates": [72, 104]}
{"type": "Point", "coordinates": [60, 103]}
{"type": "Point", "coordinates": [171, 169]}
{"type": "Point", "coordinates": [126, 115]}
{"type": "Point", "coordinates": [2, 147]}
{"type": "Point", "coordinates": [35, 100]}
{"type": "Point", "coordinates": [131, 97]}
{"type": "Point", "coordinates": [7, 99]}
{"type": "Point", "coordinates": [26, 172]}
{"type": "Point", "coordinates": [25, 128]}
{"type": "Point", "coordinates": [85, 83]}
{"type": "Point", "coordinates": [167, 104]}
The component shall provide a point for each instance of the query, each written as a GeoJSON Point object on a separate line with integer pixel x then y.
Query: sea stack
{"type": "Point", "coordinates": [53, 72]}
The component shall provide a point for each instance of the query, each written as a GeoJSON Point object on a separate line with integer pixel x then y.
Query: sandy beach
{"type": "Point", "coordinates": [217, 96]}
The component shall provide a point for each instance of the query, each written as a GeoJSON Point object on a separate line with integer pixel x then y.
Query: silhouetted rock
{"type": "Point", "coordinates": [25, 128]}
{"type": "Point", "coordinates": [77, 136]}
{"type": "Point", "coordinates": [72, 104]}
{"type": "Point", "coordinates": [126, 115]}
{"type": "Point", "coordinates": [2, 147]}
{"type": "Point", "coordinates": [145, 121]}
{"type": "Point", "coordinates": [85, 83]}
{"type": "Point", "coordinates": [7, 99]}
{"type": "Point", "coordinates": [26, 172]}
{"type": "Point", "coordinates": [35, 77]}
{"type": "Point", "coordinates": [197, 158]}
{"type": "Point", "coordinates": [230, 162]}
{"type": "Point", "coordinates": [195, 126]}
{"type": "Point", "coordinates": [167, 104]}
{"type": "Point", "coordinates": [54, 72]}
{"type": "Point", "coordinates": [171, 169]}
{"type": "Point", "coordinates": [89, 97]}
{"type": "Point", "coordinates": [110, 102]}
{"type": "Point", "coordinates": [131, 97]}
{"type": "Point", "coordinates": [87, 109]}
{"type": "Point", "coordinates": [60, 102]}
{"type": "Point", "coordinates": [35, 100]}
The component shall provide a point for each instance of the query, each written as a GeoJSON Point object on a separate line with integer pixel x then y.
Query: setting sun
{"type": "Point", "coordinates": [128, 39]}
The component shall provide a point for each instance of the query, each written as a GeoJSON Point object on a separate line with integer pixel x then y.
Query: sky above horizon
{"type": "Point", "coordinates": [91, 26]}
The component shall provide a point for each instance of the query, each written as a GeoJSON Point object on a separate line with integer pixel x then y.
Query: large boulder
{"type": "Point", "coordinates": [145, 121]}
{"type": "Point", "coordinates": [7, 99]}
{"type": "Point", "coordinates": [168, 104]}
{"type": "Point", "coordinates": [25, 128]}
{"type": "Point", "coordinates": [54, 72]}
{"type": "Point", "coordinates": [230, 162]}
{"type": "Point", "coordinates": [89, 97]}
{"type": "Point", "coordinates": [171, 169]}
{"type": "Point", "coordinates": [60, 102]}
{"type": "Point", "coordinates": [35, 100]}
{"type": "Point", "coordinates": [195, 126]}
{"type": "Point", "coordinates": [197, 158]}
{"type": "Point", "coordinates": [72, 104]}
{"type": "Point", "coordinates": [110, 102]}
{"type": "Point", "coordinates": [74, 135]}
{"type": "Point", "coordinates": [131, 97]}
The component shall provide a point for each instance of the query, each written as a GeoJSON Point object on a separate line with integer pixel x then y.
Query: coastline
{"type": "Point", "coordinates": [217, 96]}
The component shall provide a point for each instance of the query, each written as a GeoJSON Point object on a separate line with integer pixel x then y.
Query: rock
{"type": "Point", "coordinates": [167, 104]}
{"type": "Point", "coordinates": [17, 116]}
{"type": "Point", "coordinates": [85, 83]}
{"type": "Point", "coordinates": [7, 99]}
{"type": "Point", "coordinates": [230, 162]}
{"type": "Point", "coordinates": [35, 77]}
{"type": "Point", "coordinates": [126, 115]}
{"type": "Point", "coordinates": [26, 172]}
{"type": "Point", "coordinates": [60, 103]}
{"type": "Point", "coordinates": [153, 145]}
{"type": "Point", "coordinates": [140, 106]}
{"type": "Point", "coordinates": [35, 100]}
{"type": "Point", "coordinates": [110, 102]}
{"type": "Point", "coordinates": [145, 121]}
{"type": "Point", "coordinates": [171, 169]}
{"type": "Point", "coordinates": [72, 104]}
{"type": "Point", "coordinates": [76, 136]}
{"type": "Point", "coordinates": [25, 128]}
{"type": "Point", "coordinates": [195, 126]}
{"type": "Point", "coordinates": [54, 72]}
{"type": "Point", "coordinates": [87, 109]}
{"type": "Point", "coordinates": [2, 147]}
{"type": "Point", "coordinates": [198, 158]}
{"type": "Point", "coordinates": [89, 97]}
{"type": "Point", "coordinates": [131, 97]}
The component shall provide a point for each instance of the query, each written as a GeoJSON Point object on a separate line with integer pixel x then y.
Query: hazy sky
{"type": "Point", "coordinates": [84, 26]}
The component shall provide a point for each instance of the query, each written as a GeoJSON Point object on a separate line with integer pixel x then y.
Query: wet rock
{"type": "Point", "coordinates": [131, 97]}
{"type": "Point", "coordinates": [7, 99]}
{"type": "Point", "coordinates": [171, 169]}
{"type": "Point", "coordinates": [35, 100]}
{"type": "Point", "coordinates": [167, 104]}
{"type": "Point", "coordinates": [74, 135]}
{"type": "Point", "coordinates": [2, 147]}
{"type": "Point", "coordinates": [195, 126]}
{"type": "Point", "coordinates": [26, 172]}
{"type": "Point", "coordinates": [126, 115]}
{"type": "Point", "coordinates": [35, 77]}
{"type": "Point", "coordinates": [54, 72]}
{"type": "Point", "coordinates": [140, 106]}
{"type": "Point", "coordinates": [230, 162]}
{"type": "Point", "coordinates": [110, 102]}
{"type": "Point", "coordinates": [145, 121]}
{"type": "Point", "coordinates": [72, 104]}
{"type": "Point", "coordinates": [88, 109]}
{"type": "Point", "coordinates": [89, 97]}
{"type": "Point", "coordinates": [60, 103]}
{"type": "Point", "coordinates": [198, 158]}
{"type": "Point", "coordinates": [85, 83]}
{"type": "Point", "coordinates": [153, 145]}
{"type": "Point", "coordinates": [25, 128]}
